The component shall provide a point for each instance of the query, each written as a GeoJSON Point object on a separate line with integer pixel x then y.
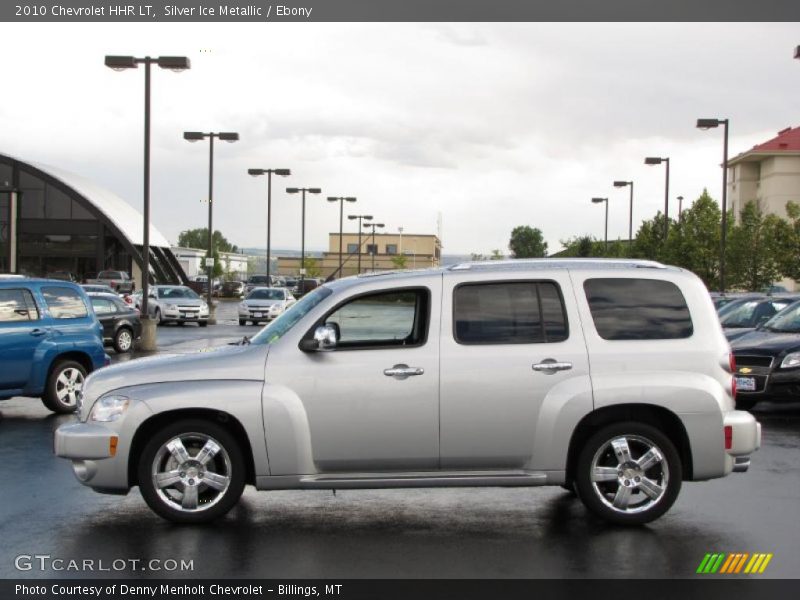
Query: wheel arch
{"type": "Point", "coordinates": [148, 427]}
{"type": "Point", "coordinates": [662, 418]}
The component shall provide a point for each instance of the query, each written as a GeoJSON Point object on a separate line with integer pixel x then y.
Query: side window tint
{"type": "Point", "coordinates": [638, 309]}
{"type": "Point", "coordinates": [102, 306]}
{"type": "Point", "coordinates": [396, 318]}
{"type": "Point", "coordinates": [64, 303]}
{"type": "Point", "coordinates": [518, 312]}
{"type": "Point", "coordinates": [17, 305]}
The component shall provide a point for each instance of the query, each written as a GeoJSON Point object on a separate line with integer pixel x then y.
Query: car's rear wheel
{"type": "Point", "coordinates": [192, 472]}
{"type": "Point", "coordinates": [628, 473]}
{"type": "Point", "coordinates": [242, 322]}
{"type": "Point", "coordinates": [64, 386]}
{"type": "Point", "coordinates": [159, 318]}
{"type": "Point", "coordinates": [203, 323]}
{"type": "Point", "coordinates": [123, 340]}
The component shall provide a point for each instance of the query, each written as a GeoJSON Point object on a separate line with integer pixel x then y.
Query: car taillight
{"type": "Point", "coordinates": [728, 437]}
{"type": "Point", "coordinates": [732, 362]}
{"type": "Point", "coordinates": [733, 387]}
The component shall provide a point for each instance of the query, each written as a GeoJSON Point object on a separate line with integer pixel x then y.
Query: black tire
{"type": "Point", "coordinates": [123, 340]}
{"type": "Point", "coordinates": [63, 384]}
{"type": "Point", "coordinates": [181, 323]}
{"type": "Point", "coordinates": [156, 457]}
{"type": "Point", "coordinates": [159, 320]}
{"type": "Point", "coordinates": [242, 322]}
{"type": "Point", "coordinates": [745, 403]}
{"type": "Point", "coordinates": [630, 486]}
{"type": "Point", "coordinates": [203, 323]}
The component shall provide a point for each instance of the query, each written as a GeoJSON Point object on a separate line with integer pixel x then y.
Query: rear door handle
{"type": "Point", "coordinates": [550, 365]}
{"type": "Point", "coordinates": [38, 332]}
{"type": "Point", "coordinates": [403, 371]}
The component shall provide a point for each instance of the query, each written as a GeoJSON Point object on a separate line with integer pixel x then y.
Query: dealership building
{"type": "Point", "coordinates": [55, 221]}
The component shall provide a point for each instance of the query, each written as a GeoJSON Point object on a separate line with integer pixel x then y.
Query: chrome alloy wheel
{"type": "Point", "coordinates": [629, 474]}
{"type": "Point", "coordinates": [69, 386]}
{"type": "Point", "coordinates": [124, 340]}
{"type": "Point", "coordinates": [191, 472]}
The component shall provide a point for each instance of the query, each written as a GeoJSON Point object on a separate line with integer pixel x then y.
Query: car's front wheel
{"type": "Point", "coordinates": [628, 473]}
{"type": "Point", "coordinates": [123, 340]}
{"type": "Point", "coordinates": [192, 472]}
{"type": "Point", "coordinates": [64, 386]}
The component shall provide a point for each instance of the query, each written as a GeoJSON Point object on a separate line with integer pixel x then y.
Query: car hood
{"type": "Point", "coordinates": [223, 363]}
{"type": "Point", "coordinates": [182, 301]}
{"type": "Point", "coordinates": [734, 333]}
{"type": "Point", "coordinates": [263, 303]}
{"type": "Point", "coordinates": [765, 342]}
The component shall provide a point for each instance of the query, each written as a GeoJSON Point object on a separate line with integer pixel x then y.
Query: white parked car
{"type": "Point", "coordinates": [611, 378]}
{"type": "Point", "coordinates": [264, 304]}
{"type": "Point", "coordinates": [175, 304]}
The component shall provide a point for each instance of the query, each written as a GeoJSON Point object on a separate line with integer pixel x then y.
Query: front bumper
{"type": "Point", "coordinates": [745, 438]}
{"type": "Point", "coordinates": [259, 315]}
{"type": "Point", "coordinates": [181, 315]}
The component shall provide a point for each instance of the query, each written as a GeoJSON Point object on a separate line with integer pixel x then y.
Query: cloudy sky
{"type": "Point", "coordinates": [491, 125]}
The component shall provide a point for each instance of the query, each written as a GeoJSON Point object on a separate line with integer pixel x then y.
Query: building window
{"type": "Point", "coordinates": [391, 248]}
{"type": "Point", "coordinates": [372, 248]}
{"type": "Point", "coordinates": [352, 248]}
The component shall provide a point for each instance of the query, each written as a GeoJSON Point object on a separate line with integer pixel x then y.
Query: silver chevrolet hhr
{"type": "Point", "coordinates": [610, 378]}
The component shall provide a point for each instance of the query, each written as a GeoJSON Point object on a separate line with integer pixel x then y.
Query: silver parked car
{"type": "Point", "coordinates": [264, 304]}
{"type": "Point", "coordinates": [612, 378]}
{"type": "Point", "coordinates": [175, 303]}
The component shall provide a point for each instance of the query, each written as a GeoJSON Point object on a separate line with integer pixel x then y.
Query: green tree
{"type": "Point", "coordinates": [198, 238]}
{"type": "Point", "coordinates": [312, 267]}
{"type": "Point", "coordinates": [755, 253]}
{"type": "Point", "coordinates": [399, 261]}
{"type": "Point", "coordinates": [527, 242]}
{"type": "Point", "coordinates": [788, 243]}
{"type": "Point", "coordinates": [496, 255]}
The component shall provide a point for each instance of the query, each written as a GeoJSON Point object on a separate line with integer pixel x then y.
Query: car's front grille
{"type": "Point", "coordinates": [753, 360]}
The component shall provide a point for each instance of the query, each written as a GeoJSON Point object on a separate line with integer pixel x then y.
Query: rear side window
{"type": "Point", "coordinates": [64, 303]}
{"type": "Point", "coordinates": [519, 312]}
{"type": "Point", "coordinates": [103, 306]}
{"type": "Point", "coordinates": [17, 305]}
{"type": "Point", "coordinates": [638, 309]}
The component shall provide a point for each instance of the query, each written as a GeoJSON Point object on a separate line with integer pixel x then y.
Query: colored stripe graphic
{"type": "Point", "coordinates": [741, 562]}
{"type": "Point", "coordinates": [765, 563]}
{"type": "Point", "coordinates": [703, 563]}
{"type": "Point", "coordinates": [733, 563]}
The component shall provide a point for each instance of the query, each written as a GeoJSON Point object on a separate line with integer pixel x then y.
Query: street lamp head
{"type": "Point", "coordinates": [622, 183]}
{"type": "Point", "coordinates": [314, 190]}
{"type": "Point", "coordinates": [352, 217]}
{"type": "Point", "coordinates": [797, 52]}
{"type": "Point", "coordinates": [653, 160]}
{"type": "Point", "coordinates": [228, 136]}
{"type": "Point", "coordinates": [256, 172]}
{"type": "Point", "coordinates": [174, 63]}
{"type": "Point", "coordinates": [379, 225]}
{"type": "Point", "coordinates": [680, 197]}
{"type": "Point", "coordinates": [708, 123]}
{"type": "Point", "coordinates": [350, 199]}
{"type": "Point", "coordinates": [194, 136]}
{"type": "Point", "coordinates": [282, 172]}
{"type": "Point", "coordinates": [599, 200]}
{"type": "Point", "coordinates": [332, 199]}
{"type": "Point", "coordinates": [120, 63]}
{"type": "Point", "coordinates": [292, 190]}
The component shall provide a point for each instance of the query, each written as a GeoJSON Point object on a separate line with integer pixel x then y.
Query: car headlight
{"type": "Point", "coordinates": [109, 408]}
{"type": "Point", "coordinates": [791, 361]}
{"type": "Point", "coordinates": [276, 307]}
{"type": "Point", "coordinates": [172, 307]}
{"type": "Point", "coordinates": [204, 307]}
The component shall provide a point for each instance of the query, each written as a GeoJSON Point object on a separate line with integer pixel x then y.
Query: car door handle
{"type": "Point", "coordinates": [550, 365]}
{"type": "Point", "coordinates": [38, 332]}
{"type": "Point", "coordinates": [403, 371]}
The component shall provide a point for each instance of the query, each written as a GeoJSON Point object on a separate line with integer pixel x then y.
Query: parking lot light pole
{"type": "Point", "coordinates": [196, 136]}
{"type": "Point", "coordinates": [294, 190]}
{"type": "Point", "coordinates": [655, 160]}
{"type": "Point", "coordinates": [620, 184]}
{"type": "Point", "coordinates": [120, 63]}
{"type": "Point", "coordinates": [269, 173]}
{"type": "Point", "coordinates": [360, 219]}
{"type": "Point", "coordinates": [713, 124]}
{"type": "Point", "coordinates": [598, 201]}
{"type": "Point", "coordinates": [374, 247]}
{"type": "Point", "coordinates": [680, 208]}
{"type": "Point", "coordinates": [341, 200]}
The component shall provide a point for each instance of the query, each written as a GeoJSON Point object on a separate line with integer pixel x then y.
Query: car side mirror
{"type": "Point", "coordinates": [325, 339]}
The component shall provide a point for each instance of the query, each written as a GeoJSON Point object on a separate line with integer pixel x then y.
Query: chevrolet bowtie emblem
{"type": "Point", "coordinates": [745, 370]}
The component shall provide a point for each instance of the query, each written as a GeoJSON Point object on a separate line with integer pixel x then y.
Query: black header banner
{"type": "Point", "coordinates": [193, 11]}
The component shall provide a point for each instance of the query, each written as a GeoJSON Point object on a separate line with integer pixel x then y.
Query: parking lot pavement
{"type": "Point", "coordinates": [459, 533]}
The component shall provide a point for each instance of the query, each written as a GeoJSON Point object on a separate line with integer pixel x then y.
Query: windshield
{"type": "Point", "coordinates": [278, 328]}
{"type": "Point", "coordinates": [786, 321]}
{"type": "Point", "coordinates": [168, 293]}
{"type": "Point", "coordinates": [266, 294]}
{"type": "Point", "coordinates": [751, 313]}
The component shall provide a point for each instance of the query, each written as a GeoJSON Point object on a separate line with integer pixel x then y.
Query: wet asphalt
{"type": "Point", "coordinates": [424, 533]}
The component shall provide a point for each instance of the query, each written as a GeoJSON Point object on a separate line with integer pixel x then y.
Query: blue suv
{"type": "Point", "coordinates": [50, 339]}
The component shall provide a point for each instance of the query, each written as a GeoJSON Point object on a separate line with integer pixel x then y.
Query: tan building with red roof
{"type": "Point", "coordinates": [768, 173]}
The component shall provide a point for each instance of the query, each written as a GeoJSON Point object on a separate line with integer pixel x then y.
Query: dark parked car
{"type": "Point", "coordinates": [255, 281]}
{"type": "Point", "coordinates": [97, 288]}
{"type": "Point", "coordinates": [50, 339]}
{"type": "Point", "coordinates": [745, 315]}
{"type": "Point", "coordinates": [768, 360]}
{"type": "Point", "coordinates": [232, 289]}
{"type": "Point", "coordinates": [120, 321]}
